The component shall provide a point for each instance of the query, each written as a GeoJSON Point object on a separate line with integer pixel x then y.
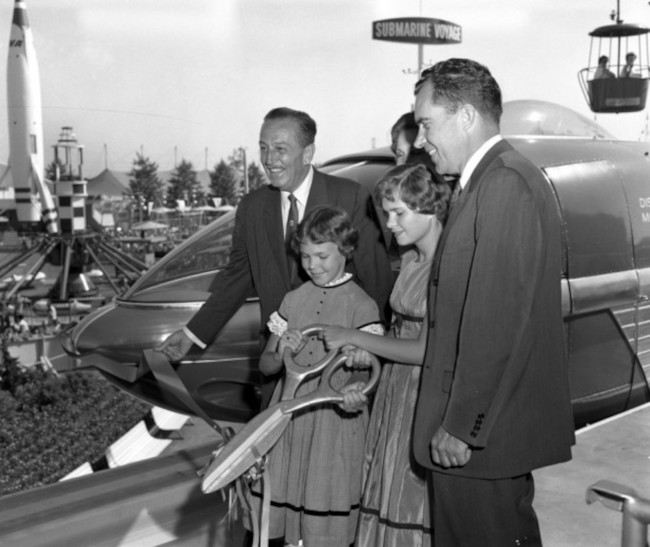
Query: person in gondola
{"type": "Point", "coordinates": [628, 70]}
{"type": "Point", "coordinates": [602, 72]}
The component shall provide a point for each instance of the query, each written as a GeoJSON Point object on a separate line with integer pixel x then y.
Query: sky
{"type": "Point", "coordinates": [192, 80]}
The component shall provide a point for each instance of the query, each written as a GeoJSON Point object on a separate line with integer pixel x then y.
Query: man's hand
{"type": "Point", "coordinates": [449, 451]}
{"type": "Point", "coordinates": [175, 346]}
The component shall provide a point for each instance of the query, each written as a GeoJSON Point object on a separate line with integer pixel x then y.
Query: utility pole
{"type": "Point", "coordinates": [243, 155]}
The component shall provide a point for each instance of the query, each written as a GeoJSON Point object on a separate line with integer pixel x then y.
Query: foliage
{"type": "Point", "coordinates": [256, 177]}
{"type": "Point", "coordinates": [184, 185]}
{"type": "Point", "coordinates": [50, 169]}
{"type": "Point", "coordinates": [237, 160]}
{"type": "Point", "coordinates": [223, 182]}
{"type": "Point", "coordinates": [144, 182]}
{"type": "Point", "coordinates": [51, 424]}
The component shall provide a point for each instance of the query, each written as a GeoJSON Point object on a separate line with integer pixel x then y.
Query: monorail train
{"type": "Point", "coordinates": [602, 187]}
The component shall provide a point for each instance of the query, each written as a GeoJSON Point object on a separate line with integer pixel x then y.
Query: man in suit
{"type": "Point", "coordinates": [259, 259]}
{"type": "Point", "coordinates": [494, 399]}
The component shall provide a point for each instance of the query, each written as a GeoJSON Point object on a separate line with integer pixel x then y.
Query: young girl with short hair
{"type": "Point", "coordinates": [315, 467]}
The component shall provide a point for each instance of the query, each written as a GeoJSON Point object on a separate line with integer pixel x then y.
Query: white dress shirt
{"type": "Point", "coordinates": [476, 158]}
{"type": "Point", "coordinates": [301, 194]}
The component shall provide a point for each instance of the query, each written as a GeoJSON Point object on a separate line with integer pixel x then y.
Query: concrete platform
{"type": "Point", "coordinates": [616, 449]}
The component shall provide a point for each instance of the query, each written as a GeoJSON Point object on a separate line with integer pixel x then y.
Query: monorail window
{"type": "Point", "coordinates": [205, 252]}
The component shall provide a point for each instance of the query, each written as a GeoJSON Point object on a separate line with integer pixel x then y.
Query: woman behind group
{"type": "Point", "coordinates": [395, 504]}
{"type": "Point", "coordinates": [403, 135]}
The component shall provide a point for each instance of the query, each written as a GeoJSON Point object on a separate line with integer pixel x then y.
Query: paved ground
{"type": "Point", "coordinates": [616, 449]}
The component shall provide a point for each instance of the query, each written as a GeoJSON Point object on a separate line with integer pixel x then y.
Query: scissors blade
{"type": "Point", "coordinates": [254, 440]}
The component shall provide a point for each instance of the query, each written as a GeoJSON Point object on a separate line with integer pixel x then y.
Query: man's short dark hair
{"type": "Point", "coordinates": [306, 124]}
{"type": "Point", "coordinates": [462, 81]}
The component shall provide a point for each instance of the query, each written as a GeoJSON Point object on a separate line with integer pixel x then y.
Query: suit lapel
{"type": "Point", "coordinates": [275, 233]}
{"type": "Point", "coordinates": [317, 192]}
{"type": "Point", "coordinates": [498, 149]}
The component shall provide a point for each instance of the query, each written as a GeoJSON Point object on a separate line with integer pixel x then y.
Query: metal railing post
{"type": "Point", "coordinates": [635, 509]}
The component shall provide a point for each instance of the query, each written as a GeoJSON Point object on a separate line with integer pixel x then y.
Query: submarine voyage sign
{"type": "Point", "coordinates": [417, 30]}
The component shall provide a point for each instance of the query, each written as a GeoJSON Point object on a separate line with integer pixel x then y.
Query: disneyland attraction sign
{"type": "Point", "coordinates": [417, 30]}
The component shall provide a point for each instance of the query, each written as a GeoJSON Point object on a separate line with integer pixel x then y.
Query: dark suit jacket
{"type": "Point", "coordinates": [258, 259]}
{"type": "Point", "coordinates": [495, 372]}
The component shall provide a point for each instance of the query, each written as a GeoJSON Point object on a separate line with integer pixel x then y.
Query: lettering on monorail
{"type": "Point", "coordinates": [417, 30]}
{"type": "Point", "coordinates": [644, 203]}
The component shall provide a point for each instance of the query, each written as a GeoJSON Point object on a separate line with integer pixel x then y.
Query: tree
{"type": "Point", "coordinates": [50, 169]}
{"type": "Point", "coordinates": [144, 182]}
{"type": "Point", "coordinates": [223, 182]}
{"type": "Point", "coordinates": [237, 162]}
{"type": "Point", "coordinates": [256, 176]}
{"type": "Point", "coordinates": [184, 185]}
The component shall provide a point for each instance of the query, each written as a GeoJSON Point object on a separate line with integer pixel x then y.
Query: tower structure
{"type": "Point", "coordinates": [70, 187]}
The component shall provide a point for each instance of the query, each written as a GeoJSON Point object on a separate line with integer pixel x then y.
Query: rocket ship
{"type": "Point", "coordinates": [26, 125]}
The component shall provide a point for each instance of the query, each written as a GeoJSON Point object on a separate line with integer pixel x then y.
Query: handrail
{"type": "Point", "coordinates": [635, 509]}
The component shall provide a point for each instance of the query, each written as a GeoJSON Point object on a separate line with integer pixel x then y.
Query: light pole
{"type": "Point", "coordinates": [243, 155]}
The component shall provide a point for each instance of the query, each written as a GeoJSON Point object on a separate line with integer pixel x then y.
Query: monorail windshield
{"type": "Point", "coordinates": [193, 263]}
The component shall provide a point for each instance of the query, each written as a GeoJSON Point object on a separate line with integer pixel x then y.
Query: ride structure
{"type": "Point", "coordinates": [613, 81]}
{"type": "Point", "coordinates": [72, 246]}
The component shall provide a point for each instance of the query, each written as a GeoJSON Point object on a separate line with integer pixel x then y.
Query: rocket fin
{"type": "Point", "coordinates": [5, 178]}
{"type": "Point", "coordinates": [49, 212]}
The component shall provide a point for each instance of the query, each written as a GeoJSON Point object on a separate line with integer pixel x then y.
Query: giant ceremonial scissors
{"type": "Point", "coordinates": [259, 435]}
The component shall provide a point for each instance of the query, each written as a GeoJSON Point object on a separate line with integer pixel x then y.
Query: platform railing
{"type": "Point", "coordinates": [635, 509]}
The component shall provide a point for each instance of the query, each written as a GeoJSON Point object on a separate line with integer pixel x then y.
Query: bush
{"type": "Point", "coordinates": [52, 424]}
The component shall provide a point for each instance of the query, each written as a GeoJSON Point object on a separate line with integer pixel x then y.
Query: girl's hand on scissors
{"type": "Point", "coordinates": [292, 339]}
{"type": "Point", "coordinates": [358, 358]}
{"type": "Point", "coordinates": [353, 398]}
{"type": "Point", "coordinates": [335, 337]}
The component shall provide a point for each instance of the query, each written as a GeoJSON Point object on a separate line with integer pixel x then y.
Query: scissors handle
{"type": "Point", "coordinates": [325, 393]}
{"type": "Point", "coordinates": [295, 373]}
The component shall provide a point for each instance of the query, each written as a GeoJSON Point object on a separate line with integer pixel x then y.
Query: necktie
{"type": "Point", "coordinates": [456, 192]}
{"type": "Point", "coordinates": [292, 224]}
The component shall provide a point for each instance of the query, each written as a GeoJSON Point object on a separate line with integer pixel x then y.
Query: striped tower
{"type": "Point", "coordinates": [70, 186]}
{"type": "Point", "coordinates": [24, 116]}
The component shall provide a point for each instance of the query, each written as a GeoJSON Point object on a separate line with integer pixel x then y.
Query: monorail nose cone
{"type": "Point", "coordinates": [67, 344]}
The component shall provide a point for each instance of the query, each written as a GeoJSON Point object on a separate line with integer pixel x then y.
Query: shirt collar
{"type": "Point", "coordinates": [475, 159]}
{"type": "Point", "coordinates": [302, 192]}
{"type": "Point", "coordinates": [339, 281]}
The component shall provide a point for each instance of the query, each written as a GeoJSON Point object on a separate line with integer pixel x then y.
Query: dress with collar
{"type": "Point", "coordinates": [316, 466]}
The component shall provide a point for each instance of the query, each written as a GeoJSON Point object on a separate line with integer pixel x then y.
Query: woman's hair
{"type": "Point", "coordinates": [404, 124]}
{"type": "Point", "coordinates": [324, 224]}
{"type": "Point", "coordinates": [417, 187]}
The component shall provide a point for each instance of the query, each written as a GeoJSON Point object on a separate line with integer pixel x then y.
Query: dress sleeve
{"type": "Point", "coordinates": [279, 320]}
{"type": "Point", "coordinates": [276, 324]}
{"type": "Point", "coordinates": [366, 314]}
{"type": "Point", "coordinates": [374, 328]}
